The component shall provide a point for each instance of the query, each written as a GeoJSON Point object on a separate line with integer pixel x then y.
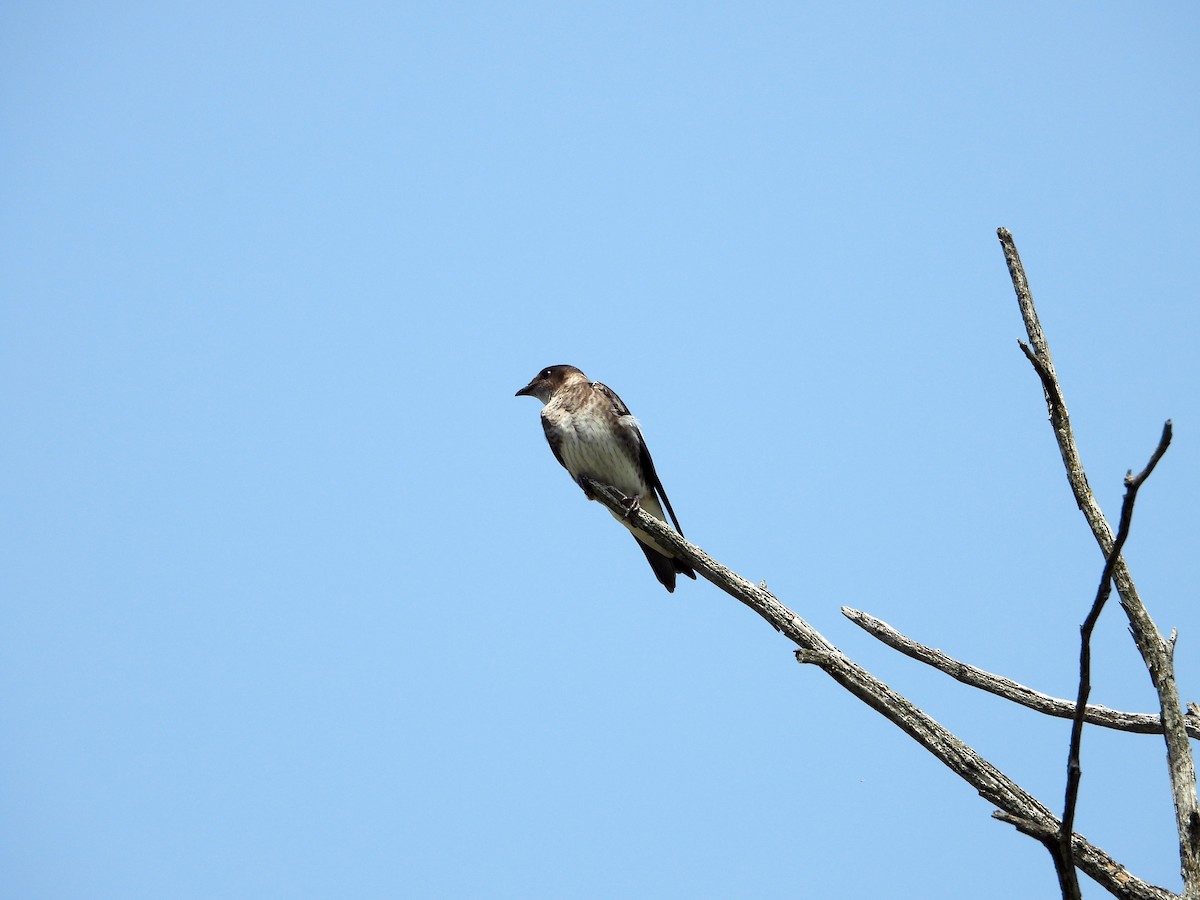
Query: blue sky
{"type": "Point", "coordinates": [298, 603]}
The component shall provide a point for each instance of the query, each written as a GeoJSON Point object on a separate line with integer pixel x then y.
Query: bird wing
{"type": "Point", "coordinates": [634, 433]}
{"type": "Point", "coordinates": [554, 439]}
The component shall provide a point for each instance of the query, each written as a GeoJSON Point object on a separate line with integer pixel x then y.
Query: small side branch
{"type": "Point", "coordinates": [1048, 836]}
{"type": "Point", "coordinates": [1064, 854]}
{"type": "Point", "coordinates": [1138, 723]}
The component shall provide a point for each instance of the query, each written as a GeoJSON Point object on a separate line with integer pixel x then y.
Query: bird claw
{"type": "Point", "coordinates": [632, 505]}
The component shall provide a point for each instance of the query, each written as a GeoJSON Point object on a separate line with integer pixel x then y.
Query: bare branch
{"type": "Point", "coordinates": [1138, 723]}
{"type": "Point", "coordinates": [1156, 653]}
{"type": "Point", "coordinates": [991, 784]}
{"type": "Point", "coordinates": [1067, 875]}
{"type": "Point", "coordinates": [1040, 832]}
{"type": "Point", "coordinates": [1045, 372]}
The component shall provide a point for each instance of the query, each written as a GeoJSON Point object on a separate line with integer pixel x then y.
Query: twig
{"type": "Point", "coordinates": [1156, 653]}
{"type": "Point", "coordinates": [1074, 768]}
{"type": "Point", "coordinates": [1138, 723]}
{"type": "Point", "coordinates": [991, 784]}
{"type": "Point", "coordinates": [1048, 836]}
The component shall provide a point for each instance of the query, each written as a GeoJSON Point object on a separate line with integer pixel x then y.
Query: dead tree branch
{"type": "Point", "coordinates": [1157, 653]}
{"type": "Point", "coordinates": [1064, 853]}
{"type": "Point", "coordinates": [991, 784]}
{"type": "Point", "coordinates": [1138, 723]}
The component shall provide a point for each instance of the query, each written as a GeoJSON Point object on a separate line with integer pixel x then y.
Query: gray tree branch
{"type": "Point", "coordinates": [1139, 723]}
{"type": "Point", "coordinates": [1062, 848]}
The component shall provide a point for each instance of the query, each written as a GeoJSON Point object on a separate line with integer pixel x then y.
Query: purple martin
{"type": "Point", "coordinates": [594, 436]}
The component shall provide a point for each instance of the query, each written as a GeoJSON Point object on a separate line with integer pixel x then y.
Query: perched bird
{"type": "Point", "coordinates": [593, 435]}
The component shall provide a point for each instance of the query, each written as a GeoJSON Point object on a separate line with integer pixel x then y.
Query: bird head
{"type": "Point", "coordinates": [547, 381]}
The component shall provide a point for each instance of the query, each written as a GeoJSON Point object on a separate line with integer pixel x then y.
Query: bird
{"type": "Point", "coordinates": [593, 435]}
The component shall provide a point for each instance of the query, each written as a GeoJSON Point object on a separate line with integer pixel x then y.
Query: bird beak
{"type": "Point", "coordinates": [526, 391]}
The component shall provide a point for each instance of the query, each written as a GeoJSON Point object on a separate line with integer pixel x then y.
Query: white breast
{"type": "Point", "coordinates": [588, 448]}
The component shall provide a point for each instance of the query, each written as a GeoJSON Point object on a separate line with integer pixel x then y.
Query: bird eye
{"type": "Point", "coordinates": [546, 374]}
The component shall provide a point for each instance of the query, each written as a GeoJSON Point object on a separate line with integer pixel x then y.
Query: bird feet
{"type": "Point", "coordinates": [631, 504]}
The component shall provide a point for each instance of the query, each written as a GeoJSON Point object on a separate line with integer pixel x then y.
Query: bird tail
{"type": "Point", "coordinates": [665, 567]}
